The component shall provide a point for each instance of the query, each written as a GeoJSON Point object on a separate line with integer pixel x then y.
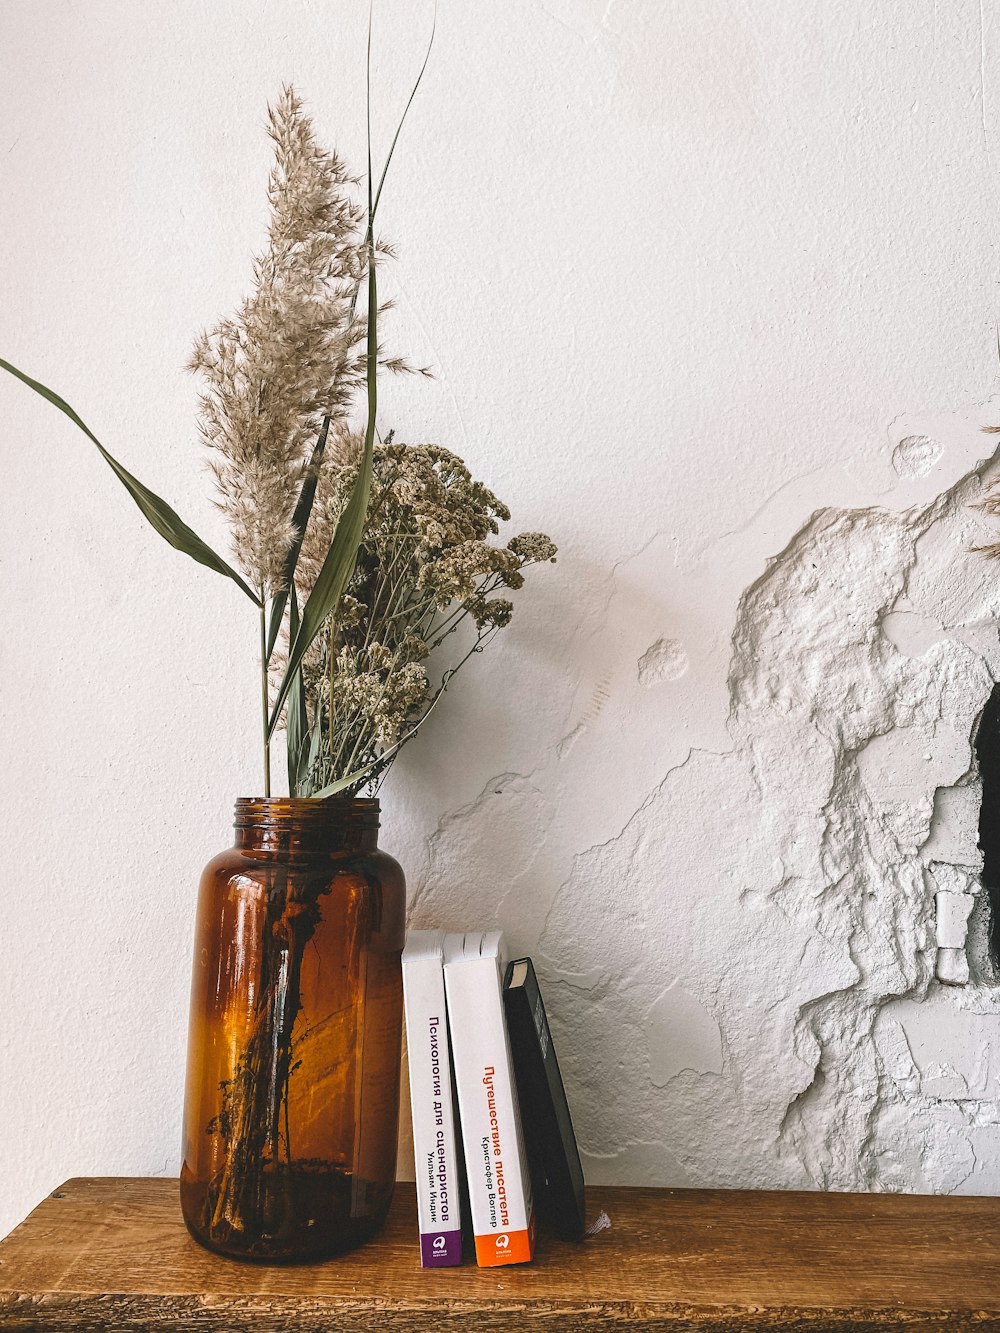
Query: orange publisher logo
{"type": "Point", "coordinates": [506, 1247]}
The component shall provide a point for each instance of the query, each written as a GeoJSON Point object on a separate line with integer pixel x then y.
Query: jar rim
{"type": "Point", "coordinates": [306, 812]}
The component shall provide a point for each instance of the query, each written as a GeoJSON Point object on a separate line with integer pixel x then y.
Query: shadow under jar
{"type": "Point", "coordinates": [292, 1097]}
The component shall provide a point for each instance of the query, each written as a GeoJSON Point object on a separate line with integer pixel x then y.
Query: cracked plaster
{"type": "Point", "coordinates": [784, 874]}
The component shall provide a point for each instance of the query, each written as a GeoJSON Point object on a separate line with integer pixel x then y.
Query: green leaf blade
{"type": "Point", "coordinates": [297, 718]}
{"type": "Point", "coordinates": [300, 521]}
{"type": "Point", "coordinates": [164, 520]}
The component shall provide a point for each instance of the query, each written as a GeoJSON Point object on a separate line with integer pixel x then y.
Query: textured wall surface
{"type": "Point", "coordinates": [710, 291]}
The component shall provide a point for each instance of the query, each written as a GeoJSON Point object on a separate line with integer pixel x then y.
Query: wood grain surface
{"type": "Point", "coordinates": [114, 1254]}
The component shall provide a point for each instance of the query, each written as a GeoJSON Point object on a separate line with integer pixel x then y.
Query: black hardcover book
{"type": "Point", "coordinates": [553, 1156]}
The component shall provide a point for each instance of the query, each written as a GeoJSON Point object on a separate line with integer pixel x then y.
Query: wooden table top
{"type": "Point", "coordinates": [114, 1254]}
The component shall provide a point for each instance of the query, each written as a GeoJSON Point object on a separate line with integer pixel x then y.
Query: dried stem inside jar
{"type": "Point", "coordinates": [255, 1191]}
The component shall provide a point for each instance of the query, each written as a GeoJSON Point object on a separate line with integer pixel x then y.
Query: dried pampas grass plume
{"type": "Point", "coordinates": [294, 351]}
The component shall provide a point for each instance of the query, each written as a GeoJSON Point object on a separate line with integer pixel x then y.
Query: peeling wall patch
{"type": "Point", "coordinates": [682, 1035]}
{"type": "Point", "coordinates": [911, 633]}
{"type": "Point", "coordinates": [915, 456]}
{"type": "Point", "coordinates": [665, 660]}
{"type": "Point", "coordinates": [790, 880]}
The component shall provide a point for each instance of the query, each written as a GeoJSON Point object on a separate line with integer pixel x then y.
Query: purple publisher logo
{"type": "Point", "coordinates": [440, 1249]}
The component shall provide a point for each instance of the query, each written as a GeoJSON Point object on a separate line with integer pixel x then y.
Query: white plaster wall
{"type": "Point", "coordinates": [711, 293]}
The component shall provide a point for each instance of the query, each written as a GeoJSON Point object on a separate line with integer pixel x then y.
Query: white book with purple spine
{"type": "Point", "coordinates": [435, 1148]}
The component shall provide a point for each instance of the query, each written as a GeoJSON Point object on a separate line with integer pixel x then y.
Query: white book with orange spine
{"type": "Point", "coordinates": [503, 1215]}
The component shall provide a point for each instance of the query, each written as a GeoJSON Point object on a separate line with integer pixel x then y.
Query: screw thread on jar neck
{"type": "Point", "coordinates": [287, 823]}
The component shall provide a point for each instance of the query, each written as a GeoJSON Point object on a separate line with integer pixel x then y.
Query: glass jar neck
{"type": "Point", "coordinates": [291, 825]}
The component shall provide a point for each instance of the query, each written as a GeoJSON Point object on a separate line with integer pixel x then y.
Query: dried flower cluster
{"type": "Point", "coordinates": [426, 567]}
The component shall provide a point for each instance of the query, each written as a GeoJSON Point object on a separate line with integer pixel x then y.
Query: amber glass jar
{"type": "Point", "coordinates": [292, 1096]}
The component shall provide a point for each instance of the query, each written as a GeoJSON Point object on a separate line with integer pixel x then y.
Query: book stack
{"type": "Point", "coordinates": [476, 1025]}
